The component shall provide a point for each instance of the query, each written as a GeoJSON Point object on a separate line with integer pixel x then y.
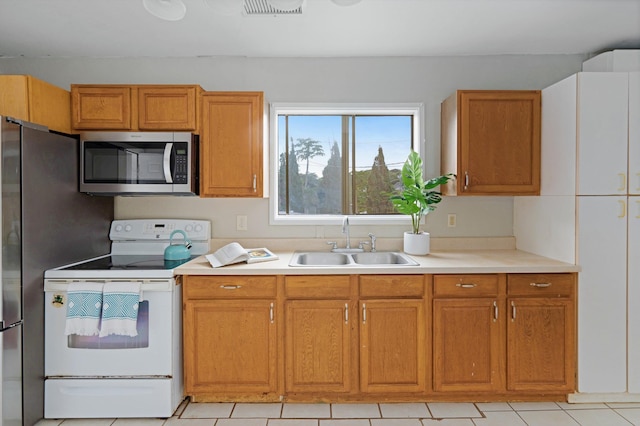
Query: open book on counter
{"type": "Point", "coordinates": [235, 253]}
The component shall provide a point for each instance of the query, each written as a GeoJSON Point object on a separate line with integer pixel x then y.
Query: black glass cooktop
{"type": "Point", "coordinates": [129, 262]}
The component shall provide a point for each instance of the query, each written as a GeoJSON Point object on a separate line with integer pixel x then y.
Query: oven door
{"type": "Point", "coordinates": [148, 354]}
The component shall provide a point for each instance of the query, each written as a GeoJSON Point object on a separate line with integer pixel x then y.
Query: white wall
{"type": "Point", "coordinates": [425, 79]}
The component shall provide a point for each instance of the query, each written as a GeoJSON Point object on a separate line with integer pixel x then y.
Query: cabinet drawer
{"type": "Point", "coordinates": [313, 286]}
{"type": "Point", "coordinates": [541, 284]}
{"type": "Point", "coordinates": [205, 287]}
{"type": "Point", "coordinates": [465, 285]}
{"type": "Point", "coordinates": [391, 286]}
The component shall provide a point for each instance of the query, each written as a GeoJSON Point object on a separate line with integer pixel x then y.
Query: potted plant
{"type": "Point", "coordinates": [416, 200]}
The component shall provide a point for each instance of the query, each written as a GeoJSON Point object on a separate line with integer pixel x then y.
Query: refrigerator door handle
{"type": "Point", "coordinates": [8, 327]}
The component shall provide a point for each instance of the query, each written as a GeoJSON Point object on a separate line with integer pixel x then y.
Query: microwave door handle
{"type": "Point", "coordinates": [166, 164]}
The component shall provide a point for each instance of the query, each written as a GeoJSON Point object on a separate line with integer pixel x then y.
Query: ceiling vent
{"type": "Point", "coordinates": [264, 7]}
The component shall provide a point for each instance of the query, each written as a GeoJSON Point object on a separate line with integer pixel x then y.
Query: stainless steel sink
{"type": "Point", "coordinates": [383, 258]}
{"type": "Point", "coordinates": [320, 259]}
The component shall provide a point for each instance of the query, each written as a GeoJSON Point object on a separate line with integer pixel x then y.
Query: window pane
{"type": "Point", "coordinates": [340, 164]}
{"type": "Point", "coordinates": [382, 144]}
{"type": "Point", "coordinates": [314, 178]}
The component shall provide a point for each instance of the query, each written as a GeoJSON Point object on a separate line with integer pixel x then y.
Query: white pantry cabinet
{"type": "Point", "coordinates": [591, 154]}
{"type": "Point", "coordinates": [633, 279]}
{"type": "Point", "coordinates": [602, 294]}
{"type": "Point", "coordinates": [634, 133]}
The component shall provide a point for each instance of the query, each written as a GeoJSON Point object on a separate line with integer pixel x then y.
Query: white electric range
{"type": "Point", "coordinates": [122, 376]}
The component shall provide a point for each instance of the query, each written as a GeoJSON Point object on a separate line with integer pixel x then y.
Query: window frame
{"type": "Point", "coordinates": [416, 109]}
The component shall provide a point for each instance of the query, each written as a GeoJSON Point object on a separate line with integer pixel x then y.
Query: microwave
{"type": "Point", "coordinates": [139, 163]}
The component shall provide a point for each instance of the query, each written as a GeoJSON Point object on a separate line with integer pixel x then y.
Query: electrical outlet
{"type": "Point", "coordinates": [451, 220]}
{"type": "Point", "coordinates": [241, 223]}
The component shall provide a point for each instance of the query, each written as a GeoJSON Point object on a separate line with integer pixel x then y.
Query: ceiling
{"type": "Point", "coordinates": [123, 28]}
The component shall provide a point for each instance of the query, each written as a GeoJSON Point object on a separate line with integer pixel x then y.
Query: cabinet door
{"type": "Point", "coordinates": [318, 350]}
{"type": "Point", "coordinates": [229, 346]}
{"type": "Point", "coordinates": [231, 145]}
{"type": "Point", "coordinates": [167, 108]}
{"type": "Point", "coordinates": [101, 108]}
{"type": "Point", "coordinates": [468, 345]}
{"type": "Point", "coordinates": [27, 98]}
{"type": "Point", "coordinates": [540, 349]}
{"type": "Point", "coordinates": [634, 133]}
{"type": "Point", "coordinates": [499, 137]}
{"type": "Point", "coordinates": [633, 283]}
{"type": "Point", "coordinates": [392, 346]}
{"type": "Point", "coordinates": [602, 295]}
{"type": "Point", "coordinates": [603, 102]}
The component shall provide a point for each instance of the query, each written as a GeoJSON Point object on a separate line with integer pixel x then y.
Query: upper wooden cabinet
{"type": "Point", "coordinates": [138, 107]}
{"type": "Point", "coordinates": [231, 144]}
{"type": "Point", "coordinates": [491, 141]}
{"type": "Point", "coordinates": [26, 98]}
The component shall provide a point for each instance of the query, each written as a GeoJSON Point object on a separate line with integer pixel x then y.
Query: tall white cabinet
{"type": "Point", "coordinates": [589, 213]}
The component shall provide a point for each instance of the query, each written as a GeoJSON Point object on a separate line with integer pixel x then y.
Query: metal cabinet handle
{"type": "Point", "coordinates": [623, 182]}
{"type": "Point", "coordinates": [364, 313]}
{"type": "Point", "coordinates": [255, 185]}
{"type": "Point", "coordinates": [466, 180]}
{"type": "Point", "coordinates": [346, 313]}
{"type": "Point", "coordinates": [513, 311]}
{"type": "Point", "coordinates": [271, 313]}
{"type": "Point", "coordinates": [230, 287]}
{"type": "Point", "coordinates": [623, 209]}
{"type": "Point", "coordinates": [466, 285]}
{"type": "Point", "coordinates": [495, 311]}
{"type": "Point", "coordinates": [540, 285]}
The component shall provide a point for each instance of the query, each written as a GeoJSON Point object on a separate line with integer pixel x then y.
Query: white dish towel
{"type": "Point", "coordinates": [84, 308]}
{"type": "Point", "coordinates": [120, 302]}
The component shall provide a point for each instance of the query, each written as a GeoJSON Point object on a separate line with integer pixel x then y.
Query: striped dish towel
{"type": "Point", "coordinates": [84, 308]}
{"type": "Point", "coordinates": [120, 302]}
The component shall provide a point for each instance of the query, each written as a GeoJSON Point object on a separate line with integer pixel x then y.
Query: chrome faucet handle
{"type": "Point", "coordinates": [361, 244]}
{"type": "Point", "coordinates": [373, 242]}
{"type": "Point", "coordinates": [333, 244]}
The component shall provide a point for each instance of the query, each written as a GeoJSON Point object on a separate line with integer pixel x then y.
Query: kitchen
{"type": "Point", "coordinates": [428, 79]}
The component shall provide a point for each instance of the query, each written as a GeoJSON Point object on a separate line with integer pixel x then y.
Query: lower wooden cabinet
{"type": "Point", "coordinates": [392, 346]}
{"type": "Point", "coordinates": [541, 333]}
{"type": "Point", "coordinates": [317, 346]}
{"type": "Point", "coordinates": [508, 334]}
{"type": "Point", "coordinates": [360, 337]}
{"type": "Point", "coordinates": [230, 336]}
{"type": "Point", "coordinates": [468, 334]}
{"type": "Point", "coordinates": [230, 346]}
{"type": "Point", "coordinates": [393, 334]}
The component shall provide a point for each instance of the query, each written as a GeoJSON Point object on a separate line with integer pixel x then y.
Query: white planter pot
{"type": "Point", "coordinates": [418, 244]}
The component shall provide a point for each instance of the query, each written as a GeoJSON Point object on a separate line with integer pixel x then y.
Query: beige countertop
{"type": "Point", "coordinates": [438, 262]}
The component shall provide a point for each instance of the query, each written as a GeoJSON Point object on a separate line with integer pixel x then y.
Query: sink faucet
{"type": "Point", "coordinates": [373, 242]}
{"type": "Point", "coordinates": [345, 230]}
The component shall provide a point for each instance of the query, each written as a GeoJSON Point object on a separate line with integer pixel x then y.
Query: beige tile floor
{"type": "Point", "coordinates": [383, 414]}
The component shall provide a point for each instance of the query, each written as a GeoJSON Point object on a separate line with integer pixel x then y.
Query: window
{"type": "Point", "coordinates": [332, 161]}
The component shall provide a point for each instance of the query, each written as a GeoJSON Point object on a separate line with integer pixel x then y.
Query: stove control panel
{"type": "Point", "coordinates": [158, 229]}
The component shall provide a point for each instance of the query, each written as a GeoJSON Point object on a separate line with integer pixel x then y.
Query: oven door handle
{"type": "Point", "coordinates": [166, 163]}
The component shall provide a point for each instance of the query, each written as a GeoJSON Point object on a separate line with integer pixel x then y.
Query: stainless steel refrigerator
{"type": "Point", "coordinates": [45, 223]}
